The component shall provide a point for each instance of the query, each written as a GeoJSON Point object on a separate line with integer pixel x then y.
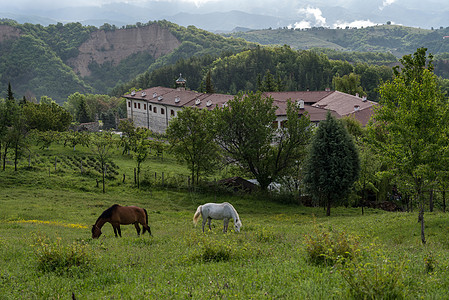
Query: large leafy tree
{"type": "Point", "coordinates": [46, 116]}
{"type": "Point", "coordinates": [191, 138]}
{"type": "Point", "coordinates": [245, 133]}
{"type": "Point", "coordinates": [411, 125]}
{"type": "Point", "coordinates": [333, 163]}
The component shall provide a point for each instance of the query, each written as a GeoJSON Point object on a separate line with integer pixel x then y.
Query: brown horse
{"type": "Point", "coordinates": [125, 215]}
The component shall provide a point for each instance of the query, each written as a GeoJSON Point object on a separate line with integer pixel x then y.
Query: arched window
{"type": "Point", "coordinates": [162, 111]}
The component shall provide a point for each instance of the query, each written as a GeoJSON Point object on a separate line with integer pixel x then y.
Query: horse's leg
{"type": "Point", "coordinates": [208, 222]}
{"type": "Point", "coordinates": [204, 223]}
{"type": "Point", "coordinates": [147, 228]}
{"type": "Point", "coordinates": [119, 231]}
{"type": "Point", "coordinates": [115, 230]}
{"type": "Point", "coordinates": [225, 225]}
{"type": "Point", "coordinates": [138, 228]}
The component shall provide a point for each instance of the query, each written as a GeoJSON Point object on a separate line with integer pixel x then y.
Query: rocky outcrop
{"type": "Point", "coordinates": [8, 32]}
{"type": "Point", "coordinates": [114, 46]}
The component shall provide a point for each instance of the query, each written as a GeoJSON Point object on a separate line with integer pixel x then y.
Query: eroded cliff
{"type": "Point", "coordinates": [114, 46]}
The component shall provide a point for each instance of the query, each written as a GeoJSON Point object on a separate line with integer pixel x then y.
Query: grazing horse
{"type": "Point", "coordinates": [125, 215]}
{"type": "Point", "coordinates": [218, 211]}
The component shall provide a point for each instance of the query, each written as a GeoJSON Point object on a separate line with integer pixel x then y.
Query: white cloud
{"type": "Point", "coordinates": [356, 23]}
{"type": "Point", "coordinates": [313, 15]}
{"type": "Point", "coordinates": [386, 3]}
{"type": "Point", "coordinates": [300, 25]}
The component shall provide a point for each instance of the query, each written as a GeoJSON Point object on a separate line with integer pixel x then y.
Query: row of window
{"type": "Point", "coordinates": [154, 109]}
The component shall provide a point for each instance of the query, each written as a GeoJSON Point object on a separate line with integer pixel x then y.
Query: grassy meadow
{"type": "Point", "coordinates": [284, 251]}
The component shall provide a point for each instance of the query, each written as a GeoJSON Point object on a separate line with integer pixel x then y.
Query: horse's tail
{"type": "Point", "coordinates": [146, 216]}
{"type": "Point", "coordinates": [197, 214]}
{"type": "Point", "coordinates": [146, 223]}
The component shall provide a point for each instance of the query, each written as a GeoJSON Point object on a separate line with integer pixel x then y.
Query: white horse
{"type": "Point", "coordinates": [218, 211]}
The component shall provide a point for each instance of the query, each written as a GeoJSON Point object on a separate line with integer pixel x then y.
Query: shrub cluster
{"type": "Point", "coordinates": [374, 277]}
{"type": "Point", "coordinates": [330, 246]}
{"type": "Point", "coordinates": [61, 259]}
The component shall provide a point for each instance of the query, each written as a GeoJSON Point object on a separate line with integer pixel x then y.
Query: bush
{"type": "Point", "coordinates": [218, 247]}
{"type": "Point", "coordinates": [330, 246]}
{"type": "Point", "coordinates": [374, 277]}
{"type": "Point", "coordinates": [55, 257]}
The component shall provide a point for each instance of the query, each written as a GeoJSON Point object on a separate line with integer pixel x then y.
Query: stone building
{"type": "Point", "coordinates": [153, 108]}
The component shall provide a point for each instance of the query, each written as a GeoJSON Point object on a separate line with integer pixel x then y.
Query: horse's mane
{"type": "Point", "coordinates": [108, 212]}
{"type": "Point", "coordinates": [233, 209]}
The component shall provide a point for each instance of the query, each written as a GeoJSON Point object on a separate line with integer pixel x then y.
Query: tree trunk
{"type": "Point", "coordinates": [104, 171]}
{"type": "Point", "coordinates": [431, 201]}
{"type": "Point", "coordinates": [16, 156]}
{"type": "Point", "coordinates": [328, 210]}
{"type": "Point", "coordinates": [421, 219]}
{"type": "Point", "coordinates": [444, 201]}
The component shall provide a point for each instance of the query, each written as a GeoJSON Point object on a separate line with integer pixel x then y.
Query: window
{"type": "Point", "coordinates": [283, 123]}
{"type": "Point", "coordinates": [145, 106]}
{"type": "Point", "coordinates": [135, 106]}
{"type": "Point", "coordinates": [150, 108]}
{"type": "Point", "coordinates": [172, 112]}
{"type": "Point", "coordinates": [129, 103]}
{"type": "Point", "coordinates": [155, 109]}
{"type": "Point", "coordinates": [138, 105]}
{"type": "Point", "coordinates": [162, 111]}
{"type": "Point", "coordinates": [275, 124]}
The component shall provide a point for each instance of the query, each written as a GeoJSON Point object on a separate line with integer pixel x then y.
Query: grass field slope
{"type": "Point", "coordinates": [284, 251]}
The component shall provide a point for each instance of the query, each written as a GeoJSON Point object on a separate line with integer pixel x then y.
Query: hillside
{"type": "Point", "coordinates": [398, 40]}
{"type": "Point", "coordinates": [59, 60]}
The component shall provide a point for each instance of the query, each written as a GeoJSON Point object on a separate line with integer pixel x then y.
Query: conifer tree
{"type": "Point", "coordinates": [333, 163]}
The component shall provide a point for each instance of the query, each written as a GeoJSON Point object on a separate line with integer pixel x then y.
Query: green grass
{"type": "Point", "coordinates": [47, 253]}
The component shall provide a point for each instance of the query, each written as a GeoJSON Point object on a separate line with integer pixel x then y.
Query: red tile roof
{"type": "Point", "coordinates": [317, 103]}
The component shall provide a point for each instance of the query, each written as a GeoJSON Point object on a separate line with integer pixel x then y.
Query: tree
{"type": "Point", "coordinates": [411, 125]}
{"type": "Point", "coordinates": [349, 84]}
{"type": "Point", "coordinates": [141, 146]}
{"type": "Point", "coordinates": [46, 116]}
{"type": "Point", "coordinates": [191, 137]}
{"type": "Point", "coordinates": [209, 85]}
{"type": "Point", "coordinates": [246, 133]}
{"type": "Point", "coordinates": [82, 113]}
{"type": "Point", "coordinates": [369, 162]}
{"type": "Point", "coordinates": [103, 143]}
{"type": "Point", "coordinates": [333, 164]}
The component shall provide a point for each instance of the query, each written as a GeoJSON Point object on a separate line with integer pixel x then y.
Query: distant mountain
{"type": "Point", "coordinates": [216, 16]}
{"type": "Point", "coordinates": [62, 59]}
{"type": "Point", "coordinates": [395, 39]}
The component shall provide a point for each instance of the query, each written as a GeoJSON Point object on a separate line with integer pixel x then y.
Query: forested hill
{"type": "Point", "coordinates": [395, 39]}
{"type": "Point", "coordinates": [62, 59]}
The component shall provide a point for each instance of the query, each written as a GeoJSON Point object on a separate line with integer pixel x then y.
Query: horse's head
{"type": "Point", "coordinates": [96, 232]}
{"type": "Point", "coordinates": [237, 226]}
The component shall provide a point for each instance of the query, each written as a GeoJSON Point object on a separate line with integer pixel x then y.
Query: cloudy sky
{"type": "Point", "coordinates": [301, 13]}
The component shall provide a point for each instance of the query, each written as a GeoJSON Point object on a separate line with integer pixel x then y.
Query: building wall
{"type": "Point", "coordinates": [153, 116]}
